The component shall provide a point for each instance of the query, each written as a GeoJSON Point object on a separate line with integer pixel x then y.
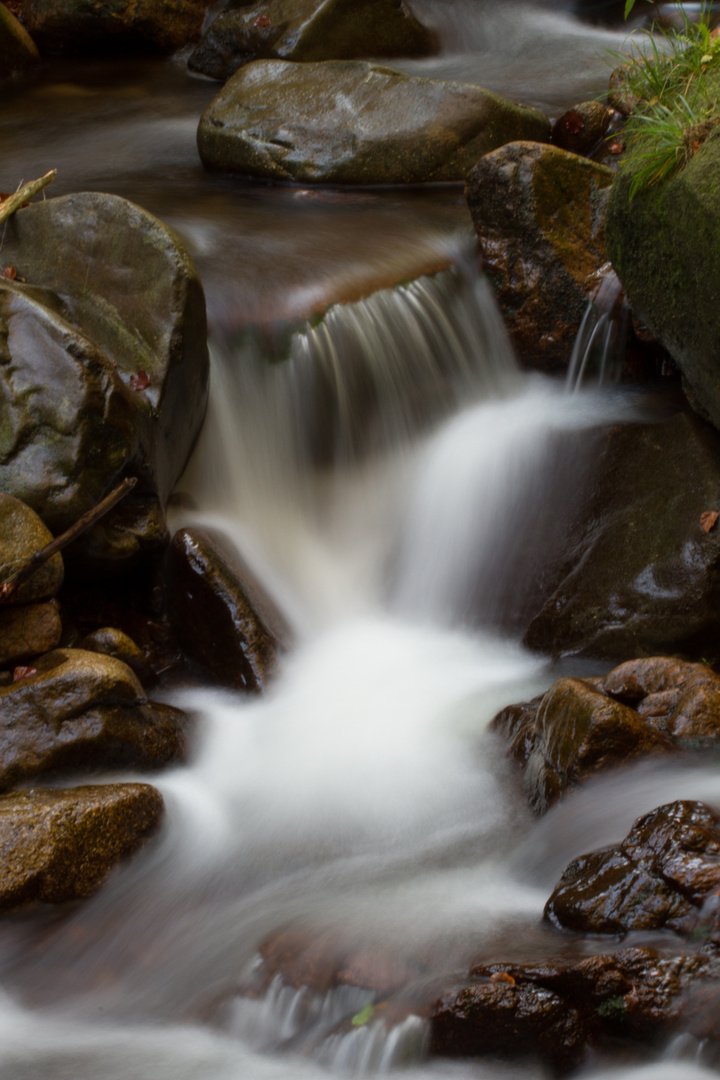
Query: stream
{"type": "Point", "coordinates": [361, 806]}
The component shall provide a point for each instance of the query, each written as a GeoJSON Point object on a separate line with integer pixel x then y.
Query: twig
{"type": "Point", "coordinates": [19, 198]}
{"type": "Point", "coordinates": [27, 569]}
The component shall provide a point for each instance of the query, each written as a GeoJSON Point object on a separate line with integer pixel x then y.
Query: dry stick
{"type": "Point", "coordinates": [14, 202]}
{"type": "Point", "coordinates": [41, 557]}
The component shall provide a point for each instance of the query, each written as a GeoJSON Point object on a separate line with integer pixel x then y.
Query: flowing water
{"type": "Point", "coordinates": [398, 484]}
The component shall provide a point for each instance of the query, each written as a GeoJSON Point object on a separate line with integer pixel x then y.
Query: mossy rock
{"type": "Point", "coordinates": [72, 27]}
{"type": "Point", "coordinates": [60, 845]}
{"type": "Point", "coordinates": [305, 30]}
{"type": "Point", "coordinates": [17, 49]}
{"type": "Point", "coordinates": [664, 243]}
{"type": "Point", "coordinates": [352, 122]}
{"type": "Point", "coordinates": [103, 354]}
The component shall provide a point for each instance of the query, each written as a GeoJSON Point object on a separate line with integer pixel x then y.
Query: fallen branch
{"type": "Point", "coordinates": [13, 202]}
{"type": "Point", "coordinates": [27, 569]}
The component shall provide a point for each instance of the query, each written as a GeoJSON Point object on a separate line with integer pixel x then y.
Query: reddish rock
{"type": "Point", "coordinates": [580, 129]}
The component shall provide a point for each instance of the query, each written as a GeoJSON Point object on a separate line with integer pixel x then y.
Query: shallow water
{"type": "Point", "coordinates": [397, 485]}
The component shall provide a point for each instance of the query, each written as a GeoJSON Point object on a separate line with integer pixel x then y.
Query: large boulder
{"type": "Point", "coordinates": [539, 215]}
{"type": "Point", "coordinates": [639, 574]}
{"type": "Point", "coordinates": [79, 711]}
{"type": "Point", "coordinates": [71, 27]}
{"type": "Point", "coordinates": [581, 726]}
{"type": "Point", "coordinates": [304, 30]}
{"type": "Point", "coordinates": [60, 845]}
{"type": "Point", "coordinates": [352, 122]}
{"type": "Point", "coordinates": [222, 615]}
{"type": "Point", "coordinates": [103, 354]}
{"type": "Point", "coordinates": [658, 878]}
{"type": "Point", "coordinates": [560, 1009]}
{"type": "Point", "coordinates": [17, 48]}
{"type": "Point", "coordinates": [664, 242]}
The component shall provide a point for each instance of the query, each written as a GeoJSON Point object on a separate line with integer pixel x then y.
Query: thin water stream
{"type": "Point", "coordinates": [396, 484]}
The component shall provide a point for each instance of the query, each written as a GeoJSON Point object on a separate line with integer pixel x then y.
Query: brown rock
{"type": "Point", "coordinates": [581, 128]}
{"type": "Point", "coordinates": [221, 613]}
{"type": "Point", "coordinates": [82, 711]}
{"type": "Point", "coordinates": [60, 845]}
{"type": "Point", "coordinates": [22, 534]}
{"type": "Point", "coordinates": [27, 630]}
{"type": "Point", "coordinates": [85, 27]}
{"type": "Point", "coordinates": [657, 878]}
{"type": "Point", "coordinates": [111, 642]}
{"type": "Point", "coordinates": [539, 212]}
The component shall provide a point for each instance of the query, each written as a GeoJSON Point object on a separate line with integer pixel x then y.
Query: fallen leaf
{"type": "Point", "coordinates": [574, 123]}
{"type": "Point", "coordinates": [617, 148]}
{"type": "Point", "coordinates": [9, 272]}
{"type": "Point", "coordinates": [23, 673]}
{"type": "Point", "coordinates": [708, 520]}
{"type": "Point", "coordinates": [262, 20]}
{"type": "Point", "coordinates": [503, 977]}
{"type": "Point", "coordinates": [140, 380]}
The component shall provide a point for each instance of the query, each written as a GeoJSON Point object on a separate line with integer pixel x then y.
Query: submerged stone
{"type": "Point", "coordinates": [539, 214]}
{"type": "Point", "coordinates": [658, 878]}
{"type": "Point", "coordinates": [352, 122]}
{"type": "Point", "coordinates": [80, 711]}
{"type": "Point", "coordinates": [304, 30]}
{"type": "Point", "coordinates": [222, 615]}
{"type": "Point", "coordinates": [60, 845]}
{"type": "Point", "coordinates": [103, 354]}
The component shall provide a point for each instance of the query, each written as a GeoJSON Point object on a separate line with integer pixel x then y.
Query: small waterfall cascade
{"type": "Point", "coordinates": [598, 350]}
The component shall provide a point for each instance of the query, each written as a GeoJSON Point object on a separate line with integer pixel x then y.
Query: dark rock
{"type": "Point", "coordinates": [573, 731]}
{"type": "Point", "coordinates": [305, 30]}
{"type": "Point", "coordinates": [222, 615]}
{"type": "Point", "coordinates": [104, 368]}
{"type": "Point", "coordinates": [580, 129]}
{"type": "Point", "coordinates": [639, 576]}
{"type": "Point", "coordinates": [352, 122]}
{"type": "Point", "coordinates": [664, 242]}
{"type": "Point", "coordinates": [539, 214]}
{"type": "Point", "coordinates": [111, 642]}
{"type": "Point", "coordinates": [73, 27]}
{"type": "Point", "coordinates": [82, 711]}
{"type": "Point", "coordinates": [17, 49]}
{"type": "Point", "coordinates": [27, 630]}
{"type": "Point", "coordinates": [22, 534]}
{"type": "Point", "coordinates": [657, 878]}
{"type": "Point", "coordinates": [559, 1009]}
{"type": "Point", "coordinates": [60, 845]}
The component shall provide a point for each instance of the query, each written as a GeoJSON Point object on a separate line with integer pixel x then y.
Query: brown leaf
{"type": "Point", "coordinates": [262, 20]}
{"type": "Point", "coordinates": [617, 148]}
{"type": "Point", "coordinates": [503, 977]}
{"type": "Point", "coordinates": [574, 123]}
{"type": "Point", "coordinates": [23, 673]}
{"type": "Point", "coordinates": [140, 380]}
{"type": "Point", "coordinates": [9, 272]}
{"type": "Point", "coordinates": [708, 520]}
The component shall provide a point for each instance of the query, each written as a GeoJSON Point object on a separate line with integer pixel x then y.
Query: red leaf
{"type": "Point", "coordinates": [574, 123]}
{"type": "Point", "coordinates": [262, 20]}
{"type": "Point", "coordinates": [617, 148]}
{"type": "Point", "coordinates": [502, 976]}
{"type": "Point", "coordinates": [708, 520]}
{"type": "Point", "coordinates": [140, 380]}
{"type": "Point", "coordinates": [23, 673]}
{"type": "Point", "coordinates": [9, 272]}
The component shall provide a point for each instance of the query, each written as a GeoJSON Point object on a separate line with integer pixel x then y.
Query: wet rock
{"type": "Point", "coordinates": [220, 612]}
{"type": "Point", "coordinates": [639, 576]}
{"type": "Point", "coordinates": [103, 361]}
{"type": "Point", "coordinates": [580, 129]}
{"type": "Point", "coordinates": [60, 845]}
{"type": "Point", "coordinates": [84, 27]}
{"type": "Point", "coordinates": [111, 642]}
{"type": "Point", "coordinates": [27, 630]}
{"type": "Point", "coordinates": [539, 215]}
{"type": "Point", "coordinates": [17, 49]}
{"type": "Point", "coordinates": [81, 711]}
{"type": "Point", "coordinates": [658, 878]}
{"type": "Point", "coordinates": [306, 30]}
{"type": "Point", "coordinates": [573, 731]}
{"type": "Point", "coordinates": [351, 122]}
{"type": "Point", "coordinates": [664, 242]}
{"type": "Point", "coordinates": [22, 534]}
{"type": "Point", "coordinates": [560, 1009]}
